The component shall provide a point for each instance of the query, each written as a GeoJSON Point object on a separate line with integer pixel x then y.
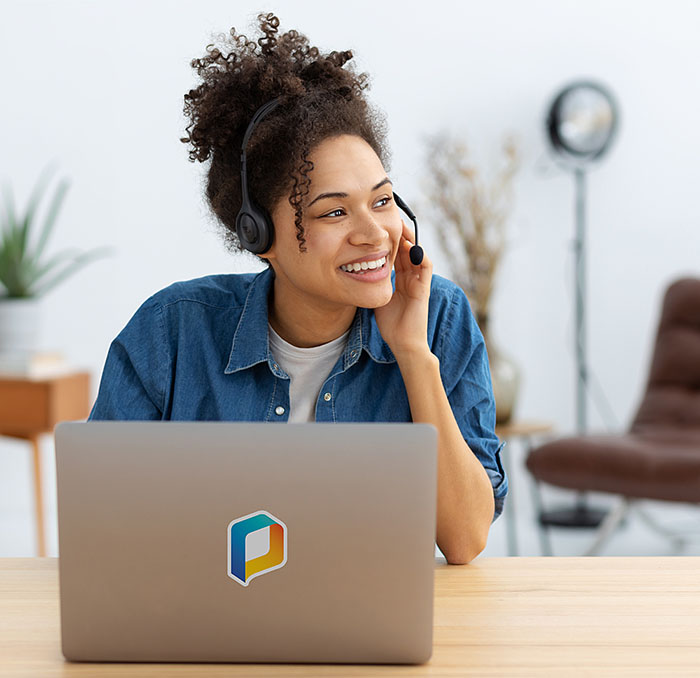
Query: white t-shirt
{"type": "Point", "coordinates": [307, 368]}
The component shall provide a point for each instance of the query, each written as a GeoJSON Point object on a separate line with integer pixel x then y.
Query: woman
{"type": "Point", "coordinates": [327, 332]}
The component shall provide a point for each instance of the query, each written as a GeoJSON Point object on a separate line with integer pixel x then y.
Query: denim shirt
{"type": "Point", "coordinates": [199, 350]}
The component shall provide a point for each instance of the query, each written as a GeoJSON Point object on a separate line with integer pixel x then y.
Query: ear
{"type": "Point", "coordinates": [270, 254]}
{"type": "Point", "coordinates": [280, 212]}
{"type": "Point", "coordinates": [269, 258]}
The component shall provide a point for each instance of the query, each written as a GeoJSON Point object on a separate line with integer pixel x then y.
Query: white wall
{"type": "Point", "coordinates": [98, 87]}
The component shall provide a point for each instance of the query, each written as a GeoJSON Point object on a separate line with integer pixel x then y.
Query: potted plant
{"type": "Point", "coordinates": [469, 215]}
{"type": "Point", "coordinates": [25, 272]}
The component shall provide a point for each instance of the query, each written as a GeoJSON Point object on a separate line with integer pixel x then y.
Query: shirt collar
{"type": "Point", "coordinates": [250, 344]}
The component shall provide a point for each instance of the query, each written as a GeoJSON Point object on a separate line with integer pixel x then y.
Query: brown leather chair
{"type": "Point", "coordinates": [659, 457]}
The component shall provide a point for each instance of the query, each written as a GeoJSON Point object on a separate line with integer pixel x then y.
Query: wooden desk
{"type": "Point", "coordinates": [497, 617]}
{"type": "Point", "coordinates": [30, 407]}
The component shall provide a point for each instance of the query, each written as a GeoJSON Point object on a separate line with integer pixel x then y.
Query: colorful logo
{"type": "Point", "coordinates": [257, 544]}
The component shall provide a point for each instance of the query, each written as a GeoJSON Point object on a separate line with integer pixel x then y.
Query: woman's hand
{"type": "Point", "coordinates": [403, 322]}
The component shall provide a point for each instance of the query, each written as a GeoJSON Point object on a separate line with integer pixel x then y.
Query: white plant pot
{"type": "Point", "coordinates": [19, 325]}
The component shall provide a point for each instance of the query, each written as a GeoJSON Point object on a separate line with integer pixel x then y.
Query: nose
{"type": "Point", "coordinates": [367, 230]}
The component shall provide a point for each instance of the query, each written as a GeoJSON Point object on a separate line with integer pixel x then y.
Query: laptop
{"type": "Point", "coordinates": [246, 542]}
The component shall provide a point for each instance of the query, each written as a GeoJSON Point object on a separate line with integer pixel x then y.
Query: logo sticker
{"type": "Point", "coordinates": [257, 544]}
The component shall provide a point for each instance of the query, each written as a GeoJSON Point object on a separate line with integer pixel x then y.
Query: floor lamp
{"type": "Point", "coordinates": [581, 124]}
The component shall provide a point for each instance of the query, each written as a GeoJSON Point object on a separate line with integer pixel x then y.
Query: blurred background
{"type": "Point", "coordinates": [97, 88]}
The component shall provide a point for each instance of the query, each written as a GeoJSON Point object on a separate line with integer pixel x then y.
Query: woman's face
{"type": "Point", "coordinates": [349, 216]}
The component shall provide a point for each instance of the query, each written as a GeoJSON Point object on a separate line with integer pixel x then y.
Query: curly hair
{"type": "Point", "coordinates": [321, 97]}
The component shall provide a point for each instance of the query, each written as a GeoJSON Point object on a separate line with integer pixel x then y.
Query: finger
{"type": "Point", "coordinates": [400, 247]}
{"type": "Point", "coordinates": [408, 232]}
{"type": "Point", "coordinates": [401, 261]}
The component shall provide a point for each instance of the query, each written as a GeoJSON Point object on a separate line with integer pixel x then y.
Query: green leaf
{"type": "Point", "coordinates": [9, 208]}
{"type": "Point", "coordinates": [78, 263]}
{"type": "Point", "coordinates": [54, 208]}
{"type": "Point", "coordinates": [34, 200]}
{"type": "Point", "coordinates": [4, 270]}
{"type": "Point", "coordinates": [10, 273]}
{"type": "Point", "coordinates": [39, 271]}
{"type": "Point", "coordinates": [12, 244]}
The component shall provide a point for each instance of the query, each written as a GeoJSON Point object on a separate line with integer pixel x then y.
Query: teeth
{"type": "Point", "coordinates": [365, 265]}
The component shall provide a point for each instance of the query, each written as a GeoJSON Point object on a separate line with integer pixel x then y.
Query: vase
{"type": "Point", "coordinates": [505, 377]}
{"type": "Point", "coordinates": [19, 325]}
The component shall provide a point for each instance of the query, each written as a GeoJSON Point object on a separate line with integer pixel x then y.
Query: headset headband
{"type": "Point", "coordinates": [257, 117]}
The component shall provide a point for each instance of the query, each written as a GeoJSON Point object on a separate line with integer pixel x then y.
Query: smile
{"type": "Point", "coordinates": [364, 266]}
{"type": "Point", "coordinates": [381, 271]}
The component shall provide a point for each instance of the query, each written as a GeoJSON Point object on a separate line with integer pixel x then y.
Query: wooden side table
{"type": "Point", "coordinates": [524, 430]}
{"type": "Point", "coordinates": [30, 407]}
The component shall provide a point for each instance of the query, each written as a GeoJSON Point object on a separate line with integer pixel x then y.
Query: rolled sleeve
{"type": "Point", "coordinates": [133, 381]}
{"type": "Point", "coordinates": [466, 375]}
{"type": "Point", "coordinates": [499, 482]}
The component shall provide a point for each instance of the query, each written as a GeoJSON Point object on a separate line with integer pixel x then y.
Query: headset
{"type": "Point", "coordinates": [254, 226]}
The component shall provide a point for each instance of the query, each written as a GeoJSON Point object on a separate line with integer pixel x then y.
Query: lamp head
{"type": "Point", "coordinates": [582, 122]}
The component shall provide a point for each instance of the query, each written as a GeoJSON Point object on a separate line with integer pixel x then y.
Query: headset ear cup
{"type": "Point", "coordinates": [254, 229]}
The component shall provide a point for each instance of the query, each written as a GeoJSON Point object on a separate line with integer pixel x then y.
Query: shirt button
{"type": "Point", "coordinates": [326, 396]}
{"type": "Point", "coordinates": [279, 410]}
{"type": "Point", "coordinates": [276, 367]}
{"type": "Point", "coordinates": [353, 353]}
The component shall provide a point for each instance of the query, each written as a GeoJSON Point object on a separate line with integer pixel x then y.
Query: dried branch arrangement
{"type": "Point", "coordinates": [469, 214]}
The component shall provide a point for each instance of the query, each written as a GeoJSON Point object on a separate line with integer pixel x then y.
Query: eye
{"type": "Point", "coordinates": [338, 212]}
{"type": "Point", "coordinates": [384, 201]}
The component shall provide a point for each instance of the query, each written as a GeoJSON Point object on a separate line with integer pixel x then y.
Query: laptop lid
{"type": "Point", "coordinates": [246, 542]}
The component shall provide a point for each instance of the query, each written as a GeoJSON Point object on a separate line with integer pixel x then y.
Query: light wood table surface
{"type": "Point", "coordinates": [494, 617]}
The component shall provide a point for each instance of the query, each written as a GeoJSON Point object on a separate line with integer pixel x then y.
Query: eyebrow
{"type": "Point", "coordinates": [339, 194]}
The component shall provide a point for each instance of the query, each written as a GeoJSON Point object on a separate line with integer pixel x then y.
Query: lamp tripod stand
{"type": "Point", "coordinates": [581, 515]}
